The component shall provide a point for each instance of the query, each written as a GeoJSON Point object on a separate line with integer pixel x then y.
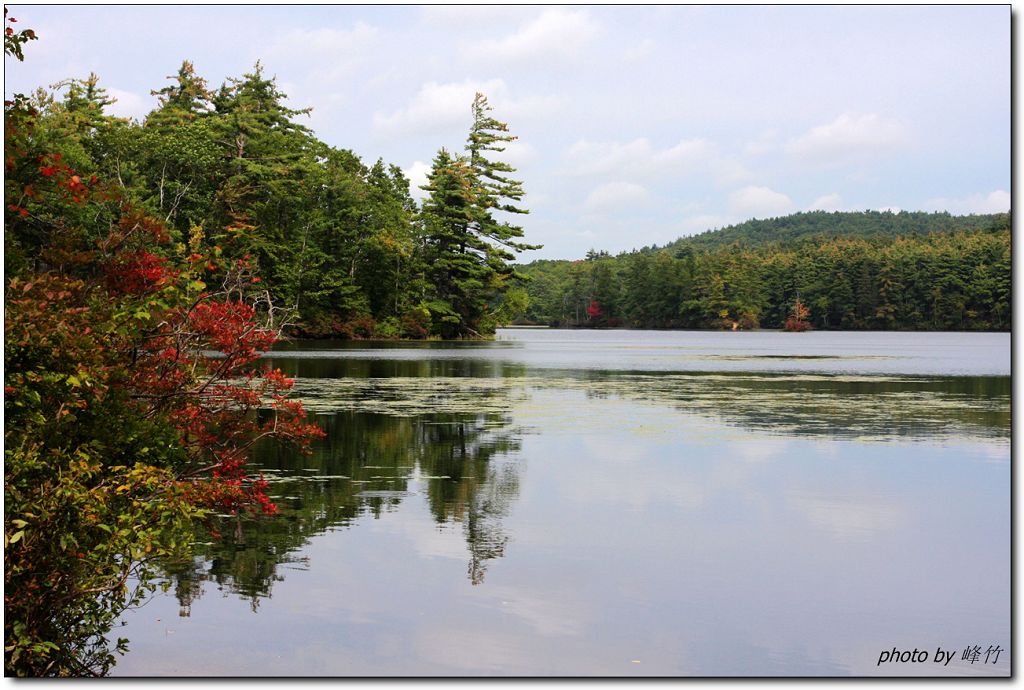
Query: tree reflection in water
{"type": "Point", "coordinates": [363, 468]}
{"type": "Point", "coordinates": [462, 456]}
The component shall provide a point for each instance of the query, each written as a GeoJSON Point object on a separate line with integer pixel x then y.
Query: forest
{"type": "Point", "coordinates": [869, 270]}
{"type": "Point", "coordinates": [338, 242]}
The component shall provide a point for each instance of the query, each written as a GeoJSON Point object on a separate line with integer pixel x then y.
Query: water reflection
{"type": "Point", "coordinates": [321, 367]}
{"type": "Point", "coordinates": [867, 408]}
{"type": "Point", "coordinates": [622, 519]}
{"type": "Point", "coordinates": [462, 465]}
{"type": "Point", "coordinates": [447, 437]}
{"type": "Point", "coordinates": [858, 407]}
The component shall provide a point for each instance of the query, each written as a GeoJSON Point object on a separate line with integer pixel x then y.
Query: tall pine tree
{"type": "Point", "coordinates": [494, 190]}
{"type": "Point", "coordinates": [459, 267]}
{"type": "Point", "coordinates": [468, 247]}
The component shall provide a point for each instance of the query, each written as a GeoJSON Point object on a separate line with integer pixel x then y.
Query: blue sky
{"type": "Point", "coordinates": [636, 125]}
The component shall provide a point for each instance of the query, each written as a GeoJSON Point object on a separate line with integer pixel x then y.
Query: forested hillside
{"type": "Point", "coordinates": [851, 270]}
{"type": "Point", "coordinates": [337, 241]}
{"type": "Point", "coordinates": [824, 225]}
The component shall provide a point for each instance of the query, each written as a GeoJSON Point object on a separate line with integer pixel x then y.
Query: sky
{"type": "Point", "coordinates": [636, 125]}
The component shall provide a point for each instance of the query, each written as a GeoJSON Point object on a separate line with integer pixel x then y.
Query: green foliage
{"type": "Point", "coordinates": [820, 226]}
{"type": "Point", "coordinates": [468, 250]}
{"type": "Point", "coordinates": [948, 279]}
{"type": "Point", "coordinates": [340, 242]}
{"type": "Point", "coordinates": [122, 430]}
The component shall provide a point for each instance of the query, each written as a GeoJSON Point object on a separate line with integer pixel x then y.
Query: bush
{"type": "Point", "coordinates": [796, 325]}
{"type": "Point", "coordinates": [416, 323]}
{"type": "Point", "coordinates": [388, 329]}
{"type": "Point", "coordinates": [357, 328]}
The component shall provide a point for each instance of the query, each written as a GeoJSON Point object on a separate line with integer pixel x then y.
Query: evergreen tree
{"type": "Point", "coordinates": [86, 99]}
{"type": "Point", "coordinates": [460, 263]}
{"type": "Point", "coordinates": [468, 249]}
{"type": "Point", "coordinates": [183, 101]}
{"type": "Point", "coordinates": [270, 165]}
{"type": "Point", "coordinates": [494, 191]}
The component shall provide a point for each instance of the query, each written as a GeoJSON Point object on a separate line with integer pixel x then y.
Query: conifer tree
{"type": "Point", "coordinates": [460, 263]}
{"type": "Point", "coordinates": [269, 161]}
{"type": "Point", "coordinates": [183, 101]}
{"type": "Point", "coordinates": [86, 100]}
{"type": "Point", "coordinates": [494, 190]}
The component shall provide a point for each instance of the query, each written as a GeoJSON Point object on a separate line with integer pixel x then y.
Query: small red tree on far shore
{"type": "Point", "coordinates": [798, 322]}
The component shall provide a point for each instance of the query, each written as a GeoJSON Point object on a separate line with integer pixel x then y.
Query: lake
{"type": "Point", "coordinates": [616, 503]}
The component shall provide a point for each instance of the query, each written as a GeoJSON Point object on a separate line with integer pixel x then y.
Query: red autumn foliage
{"type": "Point", "coordinates": [798, 322]}
{"type": "Point", "coordinates": [191, 359]}
{"type": "Point", "coordinates": [132, 396]}
{"type": "Point", "coordinates": [594, 309]}
{"type": "Point", "coordinates": [137, 272]}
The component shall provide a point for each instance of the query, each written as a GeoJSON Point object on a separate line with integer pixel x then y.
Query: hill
{"type": "Point", "coordinates": [870, 270]}
{"type": "Point", "coordinates": [822, 225]}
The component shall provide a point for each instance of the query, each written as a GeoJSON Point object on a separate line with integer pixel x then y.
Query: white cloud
{"type": "Point", "coordinates": [527, 107]}
{"type": "Point", "coordinates": [417, 174]}
{"type": "Point", "coordinates": [759, 202]}
{"type": "Point", "coordinates": [555, 33]}
{"type": "Point", "coordinates": [517, 153]}
{"type": "Point", "coordinates": [728, 171]}
{"type": "Point", "coordinates": [129, 104]}
{"type": "Point", "coordinates": [993, 202]}
{"type": "Point", "coordinates": [767, 142]}
{"type": "Point", "coordinates": [595, 158]}
{"type": "Point", "coordinates": [829, 202]}
{"type": "Point", "coordinates": [849, 137]}
{"type": "Point", "coordinates": [437, 107]}
{"type": "Point", "coordinates": [700, 223]}
{"type": "Point", "coordinates": [638, 158]}
{"type": "Point", "coordinates": [322, 54]}
{"type": "Point", "coordinates": [615, 196]}
{"type": "Point", "coordinates": [686, 151]}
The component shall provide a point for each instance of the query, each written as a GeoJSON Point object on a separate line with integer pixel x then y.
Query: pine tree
{"type": "Point", "coordinates": [461, 264]}
{"type": "Point", "coordinates": [183, 101]}
{"type": "Point", "coordinates": [86, 100]}
{"type": "Point", "coordinates": [269, 161]}
{"type": "Point", "coordinates": [493, 189]}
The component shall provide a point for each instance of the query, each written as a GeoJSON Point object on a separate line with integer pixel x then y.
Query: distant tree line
{"type": "Point", "coordinates": [850, 270]}
{"type": "Point", "coordinates": [823, 225]}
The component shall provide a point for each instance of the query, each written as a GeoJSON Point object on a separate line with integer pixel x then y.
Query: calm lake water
{"type": "Point", "coordinates": [616, 503]}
